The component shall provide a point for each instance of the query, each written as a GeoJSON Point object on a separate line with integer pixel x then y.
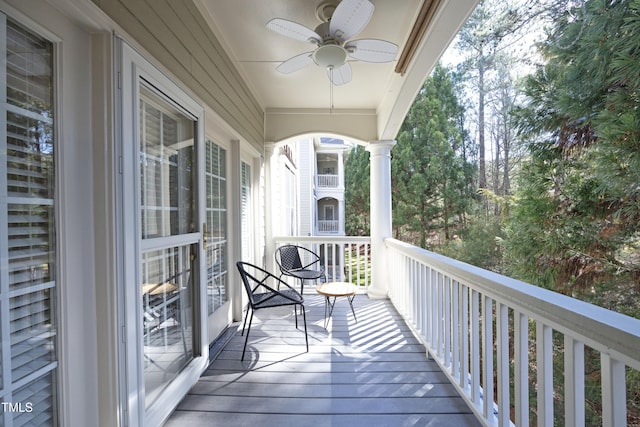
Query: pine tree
{"type": "Point", "coordinates": [357, 190]}
{"type": "Point", "coordinates": [579, 203]}
{"type": "Point", "coordinates": [431, 184]}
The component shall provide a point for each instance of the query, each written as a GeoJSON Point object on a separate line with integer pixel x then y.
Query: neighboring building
{"type": "Point", "coordinates": [330, 156]}
{"type": "Point", "coordinates": [308, 178]}
{"type": "Point", "coordinates": [308, 186]}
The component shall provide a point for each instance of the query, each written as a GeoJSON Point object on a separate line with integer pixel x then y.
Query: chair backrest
{"type": "Point", "coordinates": [247, 272]}
{"type": "Point", "coordinates": [264, 288]}
{"type": "Point", "coordinates": [289, 257]}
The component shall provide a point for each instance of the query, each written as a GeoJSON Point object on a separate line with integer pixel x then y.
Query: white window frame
{"type": "Point", "coordinates": [57, 301]}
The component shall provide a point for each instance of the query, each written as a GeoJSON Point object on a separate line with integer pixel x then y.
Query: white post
{"type": "Point", "coordinates": [270, 204]}
{"type": "Point", "coordinates": [381, 226]}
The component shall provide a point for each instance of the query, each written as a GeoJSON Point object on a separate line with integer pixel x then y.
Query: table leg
{"type": "Point", "coordinates": [328, 304]}
{"type": "Point", "coordinates": [351, 298]}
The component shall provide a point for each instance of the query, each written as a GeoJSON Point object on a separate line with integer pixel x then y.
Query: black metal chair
{"type": "Point", "coordinates": [263, 291]}
{"type": "Point", "coordinates": [290, 262]}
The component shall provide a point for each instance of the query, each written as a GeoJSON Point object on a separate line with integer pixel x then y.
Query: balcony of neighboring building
{"type": "Point", "coordinates": [328, 180]}
{"type": "Point", "coordinates": [330, 216]}
{"type": "Point", "coordinates": [330, 173]}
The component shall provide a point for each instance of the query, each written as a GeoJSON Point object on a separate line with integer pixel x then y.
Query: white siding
{"type": "Point", "coordinates": [175, 33]}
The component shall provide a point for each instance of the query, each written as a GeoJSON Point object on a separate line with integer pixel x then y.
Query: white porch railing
{"type": "Point", "coordinates": [327, 181]}
{"type": "Point", "coordinates": [344, 258]}
{"type": "Point", "coordinates": [510, 357]}
{"type": "Point", "coordinates": [449, 304]}
{"type": "Point", "coordinates": [328, 226]}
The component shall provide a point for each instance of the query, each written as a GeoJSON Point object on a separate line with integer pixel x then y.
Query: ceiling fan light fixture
{"type": "Point", "coordinates": [330, 56]}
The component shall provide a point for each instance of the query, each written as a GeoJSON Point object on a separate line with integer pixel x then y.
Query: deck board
{"type": "Point", "coordinates": [372, 372]}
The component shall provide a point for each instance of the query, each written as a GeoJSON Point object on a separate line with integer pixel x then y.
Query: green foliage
{"type": "Point", "coordinates": [477, 244]}
{"type": "Point", "coordinates": [574, 227]}
{"type": "Point", "coordinates": [430, 179]}
{"type": "Point", "coordinates": [357, 189]}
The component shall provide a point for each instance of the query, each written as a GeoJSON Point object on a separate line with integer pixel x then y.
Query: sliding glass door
{"type": "Point", "coordinates": [162, 227]}
{"type": "Point", "coordinates": [169, 239]}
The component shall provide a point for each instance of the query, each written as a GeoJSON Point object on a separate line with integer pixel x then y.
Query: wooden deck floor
{"type": "Point", "coordinates": [372, 372]}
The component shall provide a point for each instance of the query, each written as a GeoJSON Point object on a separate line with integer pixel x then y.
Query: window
{"type": "Point", "coordinates": [216, 244]}
{"type": "Point", "coordinates": [328, 213]}
{"type": "Point", "coordinates": [245, 214]}
{"type": "Point", "coordinates": [27, 229]}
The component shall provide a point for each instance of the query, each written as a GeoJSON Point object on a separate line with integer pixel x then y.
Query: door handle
{"type": "Point", "coordinates": [204, 234]}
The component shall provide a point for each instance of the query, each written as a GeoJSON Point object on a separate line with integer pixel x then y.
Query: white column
{"type": "Point", "coordinates": [270, 179]}
{"type": "Point", "coordinates": [380, 162]}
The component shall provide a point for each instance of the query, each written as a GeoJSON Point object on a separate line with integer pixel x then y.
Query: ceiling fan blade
{"type": "Point", "coordinates": [372, 50]}
{"type": "Point", "coordinates": [349, 18]}
{"type": "Point", "coordinates": [295, 63]}
{"type": "Point", "coordinates": [293, 30]}
{"type": "Point", "coordinates": [341, 75]}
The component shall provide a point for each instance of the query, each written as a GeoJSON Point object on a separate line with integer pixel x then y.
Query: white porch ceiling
{"type": "Point", "coordinates": [370, 107]}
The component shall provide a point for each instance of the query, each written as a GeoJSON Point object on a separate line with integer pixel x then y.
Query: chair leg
{"type": "Point", "coordinates": [247, 337]}
{"type": "Point", "coordinates": [245, 320]}
{"type": "Point", "coordinates": [304, 316]}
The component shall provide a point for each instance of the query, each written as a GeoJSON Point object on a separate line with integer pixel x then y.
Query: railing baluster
{"type": "Point", "coordinates": [353, 260]}
{"type": "Point", "coordinates": [455, 330]}
{"type": "Point", "coordinates": [367, 257]}
{"type": "Point", "coordinates": [614, 400]}
{"type": "Point", "coordinates": [434, 309]}
{"type": "Point", "coordinates": [487, 360]}
{"type": "Point", "coordinates": [521, 368]}
{"type": "Point", "coordinates": [440, 327]}
{"type": "Point", "coordinates": [358, 262]}
{"type": "Point", "coordinates": [573, 382]}
{"type": "Point", "coordinates": [475, 347]}
{"type": "Point", "coordinates": [334, 253]}
{"type": "Point", "coordinates": [410, 302]}
{"type": "Point", "coordinates": [447, 322]}
{"type": "Point", "coordinates": [421, 301]}
{"type": "Point", "coordinates": [502, 337]}
{"type": "Point", "coordinates": [417, 291]}
{"type": "Point", "coordinates": [544, 363]}
{"type": "Point", "coordinates": [464, 338]}
{"type": "Point", "coordinates": [339, 261]}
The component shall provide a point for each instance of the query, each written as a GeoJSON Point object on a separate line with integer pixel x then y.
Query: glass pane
{"type": "Point", "coordinates": [167, 169]}
{"type": "Point", "coordinates": [36, 402]}
{"type": "Point", "coordinates": [216, 247]}
{"type": "Point", "coordinates": [32, 333]}
{"type": "Point", "coordinates": [29, 71]}
{"type": "Point", "coordinates": [245, 214]}
{"type": "Point", "coordinates": [216, 276]}
{"type": "Point", "coordinates": [30, 245]}
{"type": "Point", "coordinates": [167, 294]}
{"type": "Point", "coordinates": [29, 156]}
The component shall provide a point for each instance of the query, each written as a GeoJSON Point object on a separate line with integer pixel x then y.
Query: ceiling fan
{"type": "Point", "coordinates": [334, 47]}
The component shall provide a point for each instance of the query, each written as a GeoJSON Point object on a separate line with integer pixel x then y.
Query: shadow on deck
{"type": "Point", "coordinates": [372, 372]}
